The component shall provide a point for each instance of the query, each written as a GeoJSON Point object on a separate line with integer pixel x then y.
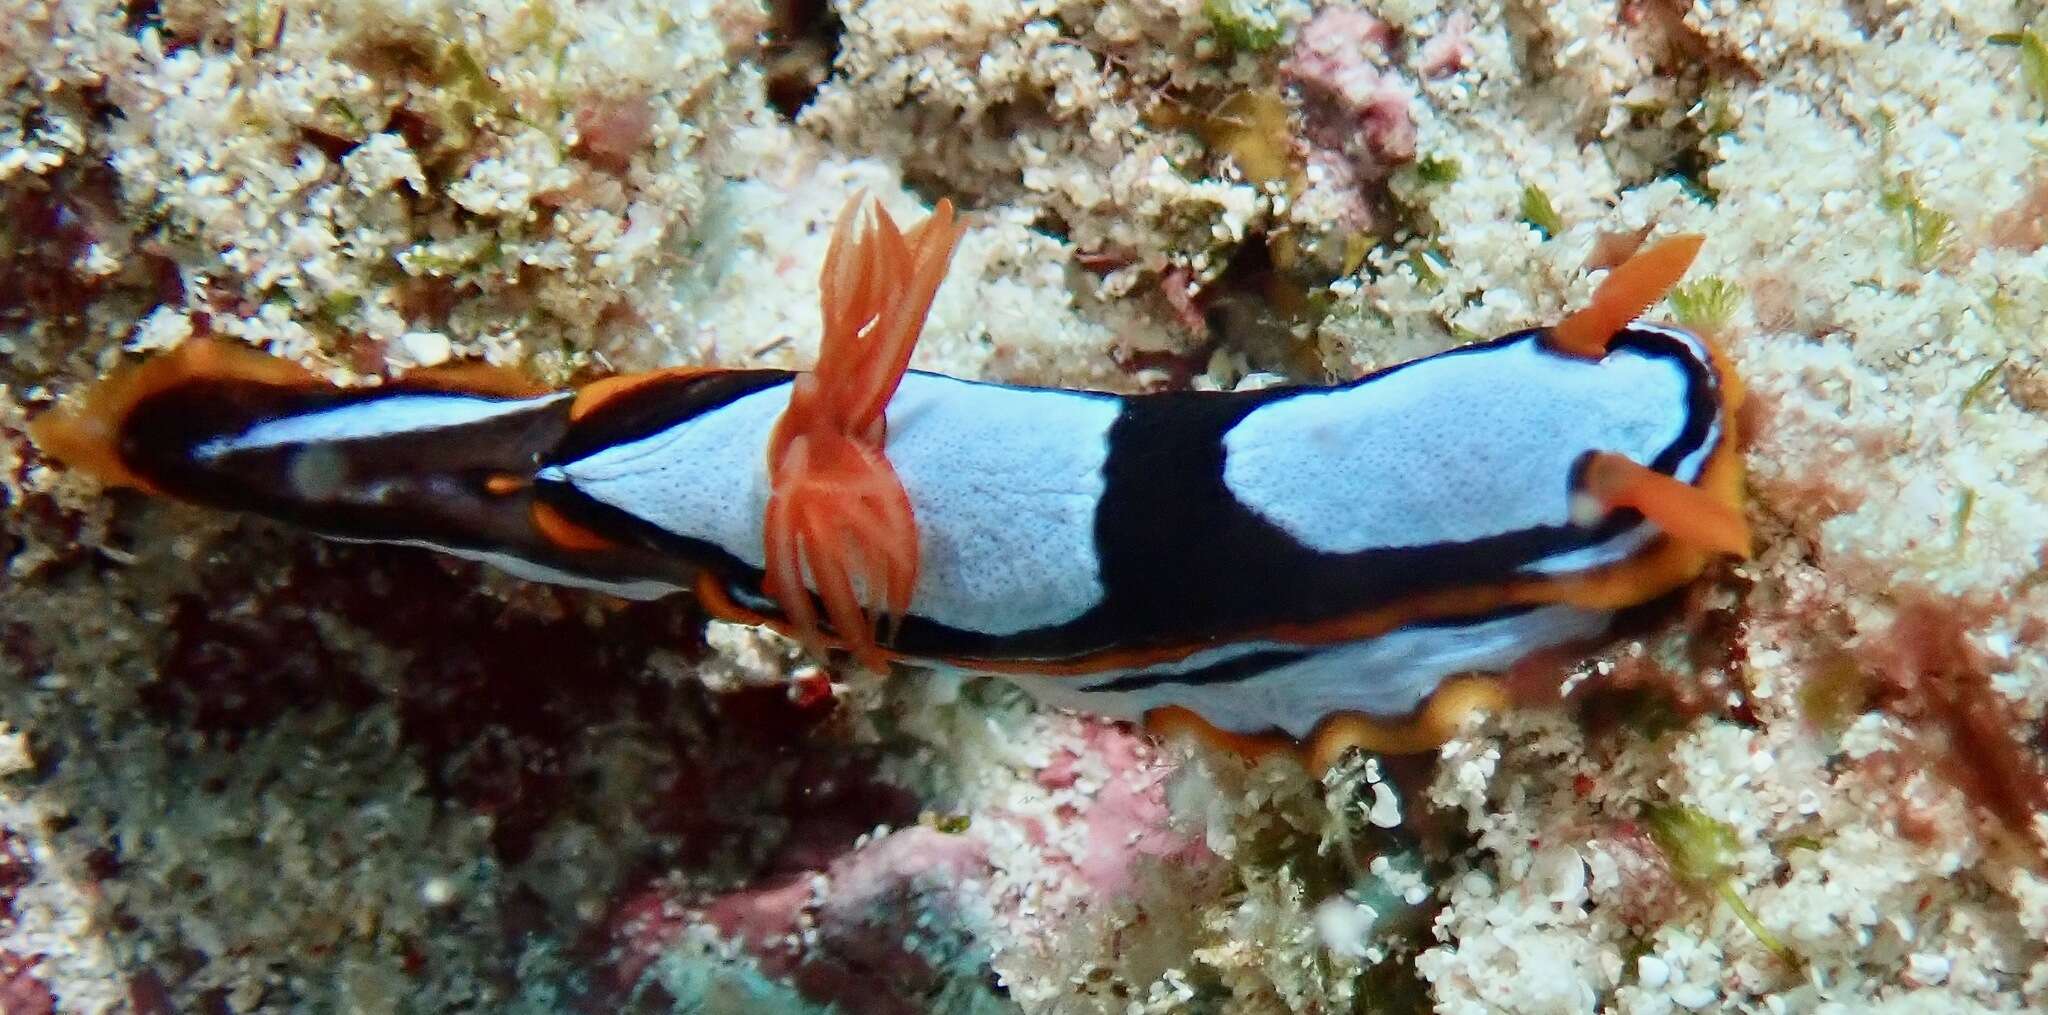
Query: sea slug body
{"type": "Point", "coordinates": [1328, 566]}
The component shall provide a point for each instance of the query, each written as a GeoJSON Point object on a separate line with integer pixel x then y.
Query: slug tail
{"type": "Point", "coordinates": [88, 430]}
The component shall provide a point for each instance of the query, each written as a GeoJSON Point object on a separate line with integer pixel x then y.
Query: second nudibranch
{"type": "Point", "coordinates": [1329, 566]}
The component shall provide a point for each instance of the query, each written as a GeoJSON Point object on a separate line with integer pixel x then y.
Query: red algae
{"type": "Point", "coordinates": [16, 870]}
{"type": "Point", "coordinates": [2024, 226]}
{"type": "Point", "coordinates": [22, 992]}
{"type": "Point", "coordinates": [1355, 109]}
{"type": "Point", "coordinates": [612, 131]}
{"type": "Point", "coordinates": [226, 672]}
{"type": "Point", "coordinates": [1650, 893]}
{"type": "Point", "coordinates": [50, 227]}
{"type": "Point", "coordinates": [1933, 678]}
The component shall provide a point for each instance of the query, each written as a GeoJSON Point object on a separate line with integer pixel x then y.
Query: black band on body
{"type": "Point", "coordinates": [1183, 562]}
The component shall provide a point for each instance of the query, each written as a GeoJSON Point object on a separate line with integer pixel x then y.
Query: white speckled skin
{"type": "Point", "coordinates": [1004, 483]}
{"type": "Point", "coordinates": [1453, 448]}
{"type": "Point", "coordinates": [1388, 676]}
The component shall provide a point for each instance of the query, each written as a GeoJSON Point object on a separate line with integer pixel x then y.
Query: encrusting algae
{"type": "Point", "coordinates": [247, 771]}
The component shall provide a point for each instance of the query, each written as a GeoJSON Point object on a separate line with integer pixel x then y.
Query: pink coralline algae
{"type": "Point", "coordinates": [1126, 821]}
{"type": "Point", "coordinates": [1355, 108]}
{"type": "Point", "coordinates": [1450, 50]}
{"type": "Point", "coordinates": [1129, 819]}
{"type": "Point", "coordinates": [1934, 678]}
{"type": "Point", "coordinates": [21, 992]}
{"type": "Point", "coordinates": [1647, 894]}
{"type": "Point", "coordinates": [611, 132]}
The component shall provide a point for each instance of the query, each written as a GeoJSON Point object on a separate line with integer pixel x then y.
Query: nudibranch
{"type": "Point", "coordinates": [1323, 567]}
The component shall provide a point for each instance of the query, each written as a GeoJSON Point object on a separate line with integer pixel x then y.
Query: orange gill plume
{"type": "Point", "coordinates": [837, 511]}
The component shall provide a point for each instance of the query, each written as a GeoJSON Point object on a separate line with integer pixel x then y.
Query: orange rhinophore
{"type": "Point", "coordinates": [1631, 288]}
{"type": "Point", "coordinates": [1685, 512]}
{"type": "Point", "coordinates": [837, 512]}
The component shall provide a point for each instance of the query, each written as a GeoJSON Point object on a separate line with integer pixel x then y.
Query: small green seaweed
{"type": "Point", "coordinates": [2033, 59]}
{"type": "Point", "coordinates": [257, 29]}
{"type": "Point", "coordinates": [464, 69]}
{"type": "Point", "coordinates": [1929, 232]}
{"type": "Point", "coordinates": [1805, 842]}
{"type": "Point", "coordinates": [1718, 111]}
{"type": "Point", "coordinates": [1966, 505]}
{"type": "Point", "coordinates": [542, 21]}
{"type": "Point", "coordinates": [1539, 212]}
{"type": "Point", "coordinates": [1707, 304]}
{"type": "Point", "coordinates": [1699, 848]}
{"type": "Point", "coordinates": [1251, 127]}
{"type": "Point", "coordinates": [480, 93]}
{"type": "Point", "coordinates": [1631, 958]}
{"type": "Point", "coordinates": [2000, 304]}
{"type": "Point", "coordinates": [1438, 169]}
{"type": "Point", "coordinates": [1701, 852]}
{"type": "Point", "coordinates": [357, 129]}
{"type": "Point", "coordinates": [1980, 385]}
{"type": "Point", "coordinates": [1835, 694]}
{"type": "Point", "coordinates": [1244, 25]}
{"type": "Point", "coordinates": [1424, 263]}
{"type": "Point", "coordinates": [1357, 246]}
{"type": "Point", "coordinates": [337, 305]}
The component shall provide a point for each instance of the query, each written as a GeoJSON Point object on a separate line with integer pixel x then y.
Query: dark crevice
{"type": "Point", "coordinates": [138, 15]}
{"type": "Point", "coordinates": [803, 40]}
{"type": "Point", "coordinates": [1254, 307]}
